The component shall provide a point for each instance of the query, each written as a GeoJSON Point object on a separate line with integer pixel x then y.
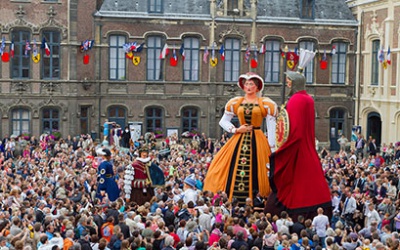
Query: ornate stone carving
{"type": "Point", "coordinates": [190, 89]}
{"type": "Point", "coordinates": [155, 89]}
{"type": "Point", "coordinates": [20, 87]}
{"type": "Point", "coordinates": [50, 88]}
{"type": "Point", "coordinates": [233, 31]}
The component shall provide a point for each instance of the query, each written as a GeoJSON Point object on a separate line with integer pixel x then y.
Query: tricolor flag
{"type": "Point", "coordinates": [182, 52]}
{"type": "Point", "coordinates": [213, 52]}
{"type": "Point", "coordinates": [333, 52]}
{"type": "Point", "coordinates": [205, 56]}
{"type": "Point", "coordinates": [263, 49]}
{"type": "Point", "coordinates": [173, 61]}
{"type": "Point", "coordinates": [27, 47]}
{"type": "Point", "coordinates": [381, 56]}
{"type": "Point", "coordinates": [254, 60]}
{"type": "Point", "coordinates": [247, 54]}
{"type": "Point", "coordinates": [164, 51]}
{"type": "Point", "coordinates": [323, 64]}
{"type": "Point", "coordinates": [3, 45]}
{"type": "Point", "coordinates": [34, 48]}
{"type": "Point", "coordinates": [45, 46]}
{"type": "Point", "coordinates": [222, 52]}
{"type": "Point", "coordinates": [12, 48]}
{"type": "Point", "coordinates": [139, 48]}
{"type": "Point", "coordinates": [388, 56]}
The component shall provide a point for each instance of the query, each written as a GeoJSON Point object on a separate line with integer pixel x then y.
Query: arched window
{"type": "Point", "coordinates": [117, 60]}
{"type": "Point", "coordinates": [117, 114]}
{"type": "Point", "coordinates": [50, 120]}
{"type": "Point", "coordinates": [339, 63]}
{"type": "Point", "coordinates": [190, 119]}
{"type": "Point", "coordinates": [192, 59]}
{"type": "Point", "coordinates": [154, 119]}
{"type": "Point", "coordinates": [232, 60]}
{"type": "Point", "coordinates": [20, 121]}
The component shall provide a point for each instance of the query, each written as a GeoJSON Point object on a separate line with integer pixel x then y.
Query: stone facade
{"type": "Point", "coordinates": [377, 89]}
{"type": "Point", "coordinates": [84, 95]}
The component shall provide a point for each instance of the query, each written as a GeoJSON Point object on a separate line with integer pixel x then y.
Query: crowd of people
{"type": "Point", "coordinates": [50, 200]}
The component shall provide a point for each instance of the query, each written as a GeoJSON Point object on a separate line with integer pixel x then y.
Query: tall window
{"type": "Point", "coordinates": [50, 120]}
{"type": "Point", "coordinates": [339, 63]}
{"type": "Point", "coordinates": [117, 114]}
{"type": "Point", "coordinates": [190, 119]}
{"type": "Point", "coordinates": [84, 120]}
{"type": "Point", "coordinates": [154, 63]}
{"type": "Point", "coordinates": [155, 6]}
{"type": "Point", "coordinates": [272, 61]}
{"type": "Point", "coordinates": [307, 9]}
{"type": "Point", "coordinates": [376, 44]}
{"type": "Point", "coordinates": [117, 70]}
{"type": "Point", "coordinates": [20, 121]}
{"type": "Point", "coordinates": [191, 63]}
{"type": "Point", "coordinates": [309, 70]}
{"type": "Point", "coordinates": [232, 60]}
{"type": "Point", "coordinates": [154, 119]}
{"type": "Point", "coordinates": [51, 63]}
{"type": "Point", "coordinates": [20, 63]}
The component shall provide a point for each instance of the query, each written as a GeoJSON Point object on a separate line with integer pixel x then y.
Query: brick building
{"type": "Point", "coordinates": [61, 92]}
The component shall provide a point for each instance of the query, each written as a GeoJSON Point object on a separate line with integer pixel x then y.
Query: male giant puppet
{"type": "Point", "coordinates": [296, 176]}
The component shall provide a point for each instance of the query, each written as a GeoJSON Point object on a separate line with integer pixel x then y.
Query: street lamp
{"type": "Point", "coordinates": [285, 50]}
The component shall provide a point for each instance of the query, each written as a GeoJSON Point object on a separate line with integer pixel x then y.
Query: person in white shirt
{"type": "Point", "coordinates": [284, 223]}
{"type": "Point", "coordinates": [372, 215]}
{"type": "Point", "coordinates": [321, 223]}
{"type": "Point", "coordinates": [189, 193]}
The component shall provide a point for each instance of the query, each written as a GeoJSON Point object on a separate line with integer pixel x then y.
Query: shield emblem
{"type": "Point", "coordinates": [282, 128]}
{"type": "Point", "coordinates": [36, 58]}
{"type": "Point", "coordinates": [136, 60]}
{"type": "Point", "coordinates": [213, 62]}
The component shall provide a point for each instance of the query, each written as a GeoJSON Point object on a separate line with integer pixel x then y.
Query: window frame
{"type": "Point", "coordinates": [153, 63]}
{"type": "Point", "coordinates": [376, 47]}
{"type": "Point", "coordinates": [271, 53]}
{"type": "Point", "coordinates": [232, 59]}
{"type": "Point", "coordinates": [17, 62]}
{"type": "Point", "coordinates": [155, 6]}
{"type": "Point", "coordinates": [50, 120]}
{"type": "Point", "coordinates": [190, 119]}
{"type": "Point", "coordinates": [157, 121]}
{"type": "Point", "coordinates": [307, 9]}
{"type": "Point", "coordinates": [189, 64]}
{"type": "Point", "coordinates": [49, 36]}
{"type": "Point", "coordinates": [20, 120]}
{"type": "Point", "coordinates": [119, 57]}
{"type": "Point", "coordinates": [339, 63]}
{"type": "Point", "coordinates": [117, 118]}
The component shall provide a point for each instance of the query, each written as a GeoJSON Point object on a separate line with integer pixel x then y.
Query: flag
{"type": "Point", "coordinates": [282, 53]}
{"type": "Point", "coordinates": [292, 60]}
{"type": "Point", "coordinates": [263, 49]}
{"type": "Point", "coordinates": [90, 44]}
{"type": "Point", "coordinates": [222, 52]}
{"type": "Point", "coordinates": [182, 52]}
{"type": "Point", "coordinates": [381, 56]}
{"type": "Point", "coordinates": [34, 48]}
{"type": "Point", "coordinates": [296, 51]}
{"type": "Point", "coordinates": [323, 64]}
{"type": "Point", "coordinates": [45, 46]}
{"type": "Point", "coordinates": [139, 48]}
{"type": "Point", "coordinates": [247, 54]}
{"type": "Point", "coordinates": [164, 51]}
{"type": "Point", "coordinates": [388, 57]}
{"type": "Point", "coordinates": [333, 52]}
{"type": "Point", "coordinates": [27, 47]}
{"type": "Point", "coordinates": [12, 48]}
{"type": "Point", "coordinates": [254, 60]}
{"type": "Point", "coordinates": [205, 56]}
{"type": "Point", "coordinates": [3, 45]}
{"type": "Point", "coordinates": [173, 61]}
{"type": "Point", "coordinates": [213, 52]}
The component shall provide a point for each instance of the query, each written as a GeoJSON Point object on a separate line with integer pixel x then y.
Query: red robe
{"type": "Point", "coordinates": [297, 178]}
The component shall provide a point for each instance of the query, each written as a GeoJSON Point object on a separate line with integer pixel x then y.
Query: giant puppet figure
{"type": "Point", "coordinates": [296, 176]}
{"type": "Point", "coordinates": [141, 177]}
{"type": "Point", "coordinates": [241, 165]}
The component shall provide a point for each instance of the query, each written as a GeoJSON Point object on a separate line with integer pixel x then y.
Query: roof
{"type": "Point", "coordinates": [326, 11]}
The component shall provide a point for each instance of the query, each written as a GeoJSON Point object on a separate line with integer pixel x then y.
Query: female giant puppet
{"type": "Point", "coordinates": [241, 165]}
{"type": "Point", "coordinates": [297, 178]}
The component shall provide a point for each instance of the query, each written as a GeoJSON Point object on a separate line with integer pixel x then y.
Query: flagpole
{"type": "Point", "coordinates": [285, 50]}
